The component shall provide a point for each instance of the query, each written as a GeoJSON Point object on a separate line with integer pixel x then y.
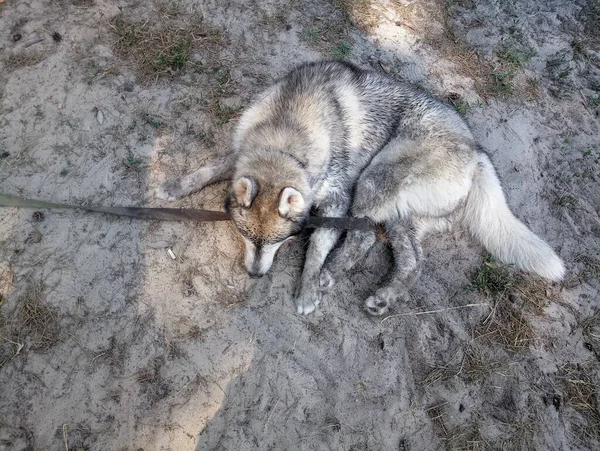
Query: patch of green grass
{"type": "Point", "coordinates": [225, 113]}
{"type": "Point", "coordinates": [330, 36]}
{"type": "Point", "coordinates": [564, 74]}
{"type": "Point", "coordinates": [493, 278]}
{"type": "Point", "coordinates": [341, 51]}
{"type": "Point", "coordinates": [580, 50]}
{"type": "Point", "coordinates": [502, 82]}
{"type": "Point", "coordinates": [163, 48]}
{"type": "Point", "coordinates": [461, 106]}
{"type": "Point", "coordinates": [39, 113]}
{"type": "Point", "coordinates": [206, 137]}
{"type": "Point", "coordinates": [512, 57]}
{"type": "Point", "coordinates": [593, 102]}
{"type": "Point", "coordinates": [151, 120]}
{"type": "Point", "coordinates": [175, 57]}
{"type": "Point", "coordinates": [132, 163]}
{"type": "Point", "coordinates": [566, 201]}
{"type": "Point", "coordinates": [313, 35]}
{"type": "Point", "coordinates": [131, 160]}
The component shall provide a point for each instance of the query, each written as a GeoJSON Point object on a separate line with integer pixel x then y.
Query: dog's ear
{"type": "Point", "coordinates": [245, 190]}
{"type": "Point", "coordinates": [291, 203]}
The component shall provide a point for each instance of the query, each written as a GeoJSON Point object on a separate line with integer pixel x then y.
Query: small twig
{"type": "Point", "coordinates": [35, 41]}
{"type": "Point", "coordinates": [64, 431]}
{"type": "Point", "coordinates": [186, 385]}
{"type": "Point", "coordinates": [271, 414]}
{"type": "Point", "coordinates": [584, 101]}
{"type": "Point", "coordinates": [18, 345]}
{"type": "Point", "coordinates": [99, 355]}
{"type": "Point", "coordinates": [429, 312]}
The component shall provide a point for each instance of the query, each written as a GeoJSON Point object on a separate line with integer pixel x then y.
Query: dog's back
{"type": "Point", "coordinates": [334, 117]}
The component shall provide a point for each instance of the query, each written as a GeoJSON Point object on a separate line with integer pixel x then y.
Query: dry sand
{"type": "Point", "coordinates": [109, 344]}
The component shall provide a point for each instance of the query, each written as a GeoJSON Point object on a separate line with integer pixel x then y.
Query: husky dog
{"type": "Point", "coordinates": [338, 140]}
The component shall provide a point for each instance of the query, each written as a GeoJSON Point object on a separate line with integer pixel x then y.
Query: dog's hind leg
{"type": "Point", "coordinates": [406, 180]}
{"type": "Point", "coordinates": [217, 171]}
{"type": "Point", "coordinates": [353, 249]}
{"type": "Point", "coordinates": [407, 267]}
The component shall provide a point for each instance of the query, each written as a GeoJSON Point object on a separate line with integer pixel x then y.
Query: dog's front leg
{"type": "Point", "coordinates": [321, 243]}
{"type": "Point", "coordinates": [220, 169]}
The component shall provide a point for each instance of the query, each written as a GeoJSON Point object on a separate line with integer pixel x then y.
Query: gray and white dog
{"type": "Point", "coordinates": [339, 140]}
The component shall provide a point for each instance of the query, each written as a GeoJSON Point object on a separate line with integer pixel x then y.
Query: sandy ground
{"type": "Point", "coordinates": [109, 344]}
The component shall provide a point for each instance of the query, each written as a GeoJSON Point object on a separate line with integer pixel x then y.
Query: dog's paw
{"type": "Point", "coordinates": [308, 302]}
{"type": "Point", "coordinates": [326, 280]}
{"type": "Point", "coordinates": [376, 306]}
{"type": "Point", "coordinates": [380, 302]}
{"type": "Point", "coordinates": [306, 306]}
{"type": "Point", "coordinates": [169, 190]}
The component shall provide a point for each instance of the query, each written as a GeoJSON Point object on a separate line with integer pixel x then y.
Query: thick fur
{"type": "Point", "coordinates": [344, 141]}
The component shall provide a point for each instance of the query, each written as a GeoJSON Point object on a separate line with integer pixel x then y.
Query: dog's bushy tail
{"type": "Point", "coordinates": [489, 219]}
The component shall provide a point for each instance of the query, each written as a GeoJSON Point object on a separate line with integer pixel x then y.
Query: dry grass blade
{"type": "Point", "coordinates": [591, 328]}
{"type": "Point", "coordinates": [440, 374]}
{"type": "Point", "coordinates": [431, 312]}
{"type": "Point", "coordinates": [467, 438]}
{"type": "Point", "coordinates": [38, 319]}
{"type": "Point", "coordinates": [580, 391]}
{"type": "Point", "coordinates": [507, 325]}
{"type": "Point", "coordinates": [463, 438]}
{"type": "Point", "coordinates": [515, 296]}
{"type": "Point", "coordinates": [25, 59]}
{"type": "Point", "coordinates": [435, 414]}
{"type": "Point", "coordinates": [476, 365]}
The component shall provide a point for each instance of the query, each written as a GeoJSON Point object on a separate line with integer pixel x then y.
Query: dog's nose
{"type": "Point", "coordinates": [255, 275]}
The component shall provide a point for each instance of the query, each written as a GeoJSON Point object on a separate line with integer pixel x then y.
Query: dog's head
{"type": "Point", "coordinates": [266, 216]}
